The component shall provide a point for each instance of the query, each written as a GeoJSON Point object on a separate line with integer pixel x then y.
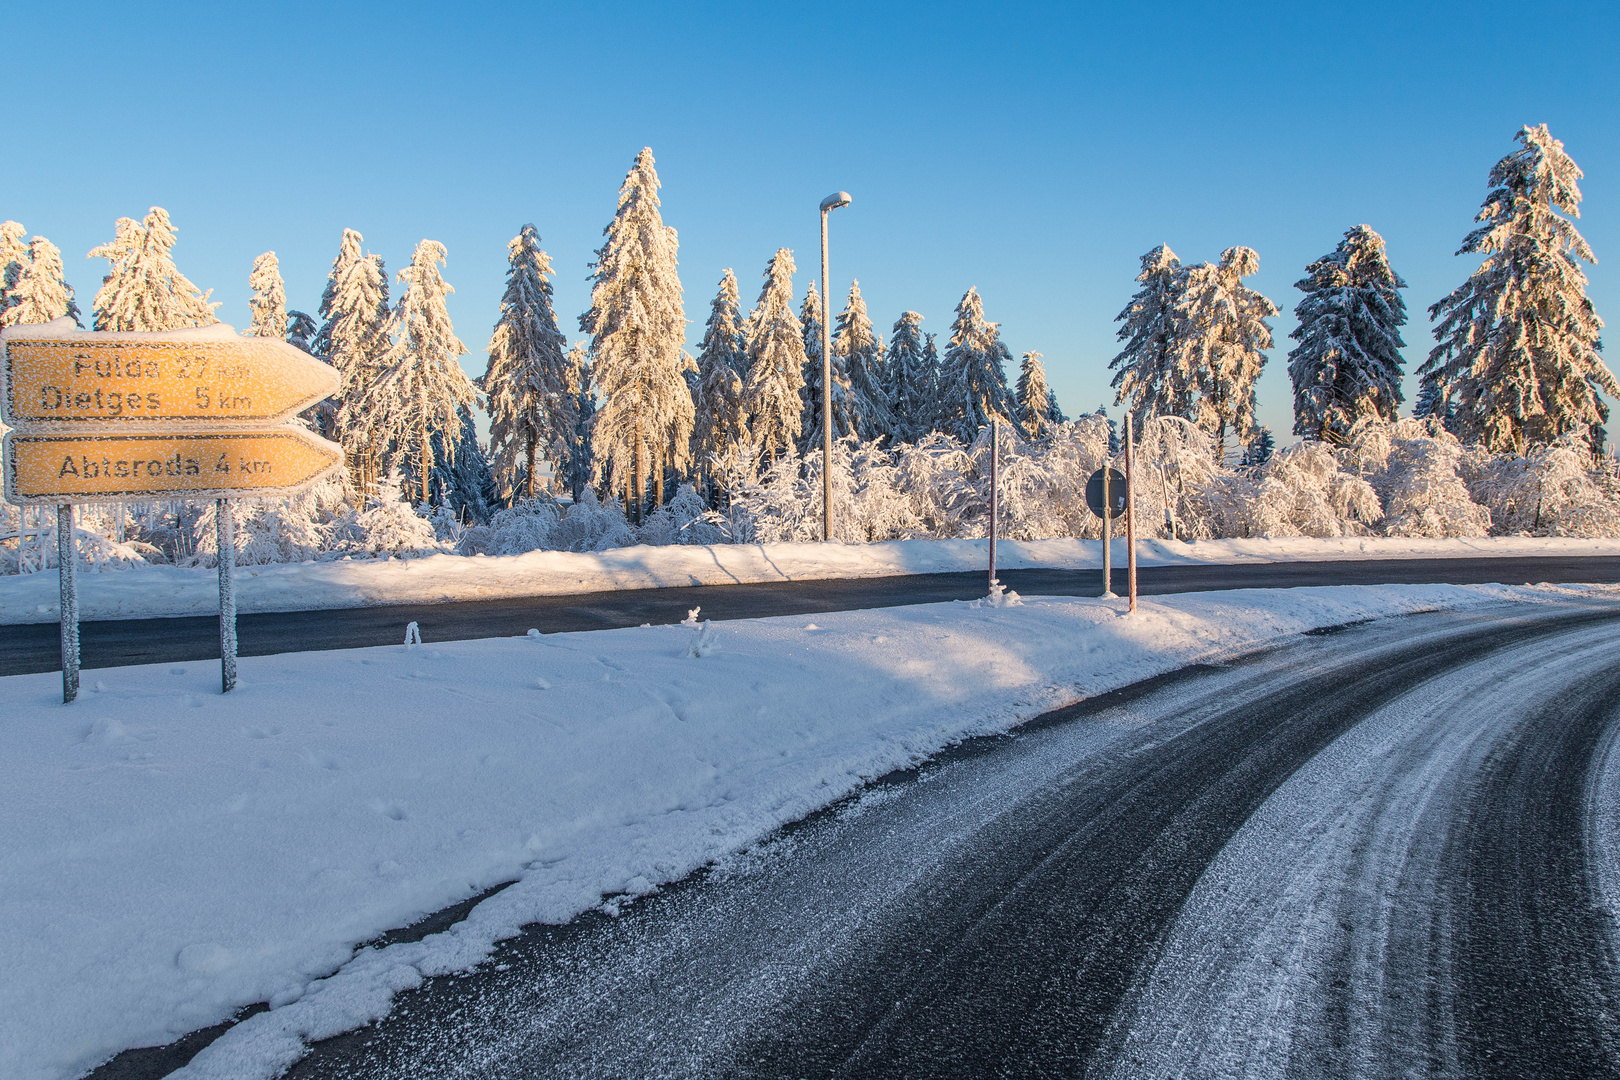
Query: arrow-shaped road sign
{"type": "Point", "coordinates": [78, 381]}
{"type": "Point", "coordinates": [44, 469]}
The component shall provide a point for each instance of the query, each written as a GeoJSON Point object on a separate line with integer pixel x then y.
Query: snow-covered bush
{"type": "Point", "coordinates": [1302, 491]}
{"type": "Point", "coordinates": [385, 524]}
{"type": "Point", "coordinates": [1414, 466]}
{"type": "Point", "coordinates": [1552, 491]}
{"type": "Point", "coordinates": [684, 520]}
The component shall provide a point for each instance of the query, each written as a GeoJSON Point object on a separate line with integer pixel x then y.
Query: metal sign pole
{"type": "Point", "coordinates": [225, 541]}
{"type": "Point", "coordinates": [1108, 534]}
{"type": "Point", "coordinates": [1130, 513]}
{"type": "Point", "coordinates": [995, 451]}
{"type": "Point", "coordinates": [68, 577]}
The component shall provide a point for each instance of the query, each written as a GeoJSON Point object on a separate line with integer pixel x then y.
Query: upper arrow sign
{"type": "Point", "coordinates": [81, 381]}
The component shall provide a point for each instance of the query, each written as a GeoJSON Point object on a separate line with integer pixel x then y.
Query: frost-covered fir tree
{"type": "Point", "coordinates": [461, 482]}
{"type": "Point", "coordinates": [1222, 333]}
{"type": "Point", "coordinates": [1034, 397]}
{"type": "Point", "coordinates": [910, 380]}
{"type": "Point", "coordinates": [301, 330]}
{"type": "Point", "coordinates": [39, 291]}
{"type": "Point", "coordinates": [1435, 402]}
{"type": "Point", "coordinates": [354, 338]}
{"type": "Point", "coordinates": [722, 360]}
{"type": "Point", "coordinates": [1146, 378]}
{"type": "Point", "coordinates": [973, 375]}
{"type": "Point", "coordinates": [269, 300]}
{"type": "Point", "coordinates": [13, 256]}
{"type": "Point", "coordinates": [421, 391]}
{"type": "Point", "coordinates": [1113, 429]}
{"type": "Point", "coordinates": [574, 471]}
{"type": "Point", "coordinates": [933, 418]}
{"type": "Point", "coordinates": [776, 364]}
{"type": "Point", "coordinates": [857, 347]}
{"type": "Point", "coordinates": [1052, 409]}
{"type": "Point", "coordinates": [531, 409]}
{"type": "Point", "coordinates": [1519, 341]}
{"type": "Point", "coordinates": [1260, 449]}
{"type": "Point", "coordinates": [1347, 366]}
{"type": "Point", "coordinates": [810, 429]}
{"type": "Point", "coordinates": [144, 290]}
{"type": "Point", "coordinates": [637, 323]}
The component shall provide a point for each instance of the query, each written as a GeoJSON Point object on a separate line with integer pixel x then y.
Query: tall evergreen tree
{"type": "Point", "coordinates": [269, 301]}
{"type": "Point", "coordinates": [421, 390]}
{"type": "Point", "coordinates": [776, 363]}
{"type": "Point", "coordinates": [810, 429]}
{"type": "Point", "coordinates": [722, 360]}
{"type": "Point", "coordinates": [13, 257]}
{"type": "Point", "coordinates": [144, 290]}
{"type": "Point", "coordinates": [355, 338]}
{"type": "Point", "coordinates": [39, 291]}
{"type": "Point", "coordinates": [857, 346]}
{"type": "Point", "coordinates": [974, 372]}
{"type": "Point", "coordinates": [910, 380]}
{"type": "Point", "coordinates": [1347, 366]}
{"type": "Point", "coordinates": [1146, 379]}
{"type": "Point", "coordinates": [301, 330]}
{"type": "Point", "coordinates": [1519, 341]}
{"type": "Point", "coordinates": [637, 324]}
{"type": "Point", "coordinates": [1034, 397]}
{"type": "Point", "coordinates": [575, 470]}
{"type": "Point", "coordinates": [461, 478]}
{"type": "Point", "coordinates": [1052, 409]}
{"type": "Point", "coordinates": [531, 409]}
{"type": "Point", "coordinates": [933, 416]}
{"type": "Point", "coordinates": [1222, 351]}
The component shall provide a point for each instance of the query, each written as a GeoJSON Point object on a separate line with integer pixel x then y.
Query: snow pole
{"type": "Point", "coordinates": [995, 432]}
{"type": "Point", "coordinates": [1130, 514]}
{"type": "Point", "coordinates": [225, 541]}
{"type": "Point", "coordinates": [67, 572]}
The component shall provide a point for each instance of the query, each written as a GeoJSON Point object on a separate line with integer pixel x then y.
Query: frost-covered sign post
{"type": "Point", "coordinates": [186, 414]}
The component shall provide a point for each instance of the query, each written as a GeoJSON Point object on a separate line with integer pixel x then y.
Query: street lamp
{"type": "Point", "coordinates": [828, 205]}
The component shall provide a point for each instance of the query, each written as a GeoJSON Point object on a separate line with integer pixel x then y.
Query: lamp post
{"type": "Point", "coordinates": [828, 205]}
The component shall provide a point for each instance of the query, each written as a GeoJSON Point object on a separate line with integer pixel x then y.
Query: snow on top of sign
{"type": "Point", "coordinates": [64, 329]}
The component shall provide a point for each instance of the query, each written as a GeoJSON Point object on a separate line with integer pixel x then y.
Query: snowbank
{"type": "Point", "coordinates": [173, 854]}
{"type": "Point", "coordinates": [145, 590]}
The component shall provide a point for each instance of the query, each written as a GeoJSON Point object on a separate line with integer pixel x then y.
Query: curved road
{"type": "Point", "coordinates": [35, 647]}
{"type": "Point", "coordinates": [1385, 851]}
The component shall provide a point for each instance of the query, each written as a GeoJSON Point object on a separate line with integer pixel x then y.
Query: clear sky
{"type": "Point", "coordinates": [1034, 152]}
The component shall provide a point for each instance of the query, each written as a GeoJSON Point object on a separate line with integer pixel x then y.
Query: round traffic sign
{"type": "Point", "coordinates": [1116, 493]}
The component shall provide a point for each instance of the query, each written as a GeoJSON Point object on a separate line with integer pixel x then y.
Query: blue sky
{"type": "Point", "coordinates": [1032, 151]}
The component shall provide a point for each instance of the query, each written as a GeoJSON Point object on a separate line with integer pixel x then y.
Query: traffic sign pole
{"type": "Point", "coordinates": [1130, 513]}
{"type": "Point", "coordinates": [1108, 535]}
{"type": "Point", "coordinates": [67, 569]}
{"type": "Point", "coordinates": [225, 542]}
{"type": "Point", "coordinates": [995, 443]}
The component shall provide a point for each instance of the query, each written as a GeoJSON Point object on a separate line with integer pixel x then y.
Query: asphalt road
{"type": "Point", "coordinates": [1385, 851]}
{"type": "Point", "coordinates": [35, 647]}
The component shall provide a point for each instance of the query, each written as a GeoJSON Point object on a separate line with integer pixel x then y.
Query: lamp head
{"type": "Point", "coordinates": [834, 201]}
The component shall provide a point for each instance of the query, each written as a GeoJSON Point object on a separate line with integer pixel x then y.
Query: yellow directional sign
{"type": "Point", "coordinates": [202, 465]}
{"type": "Point", "coordinates": [84, 382]}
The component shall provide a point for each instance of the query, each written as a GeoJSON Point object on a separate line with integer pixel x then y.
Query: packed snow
{"type": "Point", "coordinates": [175, 854]}
{"type": "Point", "coordinates": [141, 590]}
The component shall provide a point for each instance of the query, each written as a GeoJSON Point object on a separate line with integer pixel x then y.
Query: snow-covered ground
{"type": "Point", "coordinates": [173, 854]}
{"type": "Point", "coordinates": [167, 590]}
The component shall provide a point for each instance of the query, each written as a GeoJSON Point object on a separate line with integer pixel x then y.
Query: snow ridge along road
{"type": "Point", "coordinates": [1368, 853]}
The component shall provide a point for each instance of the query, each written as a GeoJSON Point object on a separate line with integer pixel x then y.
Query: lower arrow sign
{"type": "Point", "coordinates": [221, 465]}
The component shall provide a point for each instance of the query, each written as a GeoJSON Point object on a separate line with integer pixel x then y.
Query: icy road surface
{"type": "Point", "coordinates": [1385, 851]}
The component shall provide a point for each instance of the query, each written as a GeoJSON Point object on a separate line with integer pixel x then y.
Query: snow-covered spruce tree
{"type": "Point", "coordinates": [722, 359]}
{"type": "Point", "coordinates": [420, 390]}
{"type": "Point", "coordinates": [1260, 450]}
{"type": "Point", "coordinates": [1052, 408]}
{"type": "Point", "coordinates": [1347, 365]}
{"type": "Point", "coordinates": [1146, 378]}
{"type": "Point", "coordinates": [810, 426]}
{"type": "Point", "coordinates": [637, 324]}
{"type": "Point", "coordinates": [354, 338]}
{"type": "Point", "coordinates": [973, 375]}
{"type": "Point", "coordinates": [857, 346]}
{"type": "Point", "coordinates": [910, 381]}
{"type": "Point", "coordinates": [776, 364]}
{"type": "Point", "coordinates": [531, 409]}
{"type": "Point", "coordinates": [269, 300]}
{"type": "Point", "coordinates": [144, 290]}
{"type": "Point", "coordinates": [13, 257]}
{"type": "Point", "coordinates": [933, 417]}
{"type": "Point", "coordinates": [461, 484]}
{"type": "Point", "coordinates": [1221, 350]}
{"type": "Point", "coordinates": [39, 291]}
{"type": "Point", "coordinates": [1034, 397]}
{"type": "Point", "coordinates": [1519, 341]}
{"type": "Point", "coordinates": [575, 470]}
{"type": "Point", "coordinates": [1113, 429]}
{"type": "Point", "coordinates": [301, 330]}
